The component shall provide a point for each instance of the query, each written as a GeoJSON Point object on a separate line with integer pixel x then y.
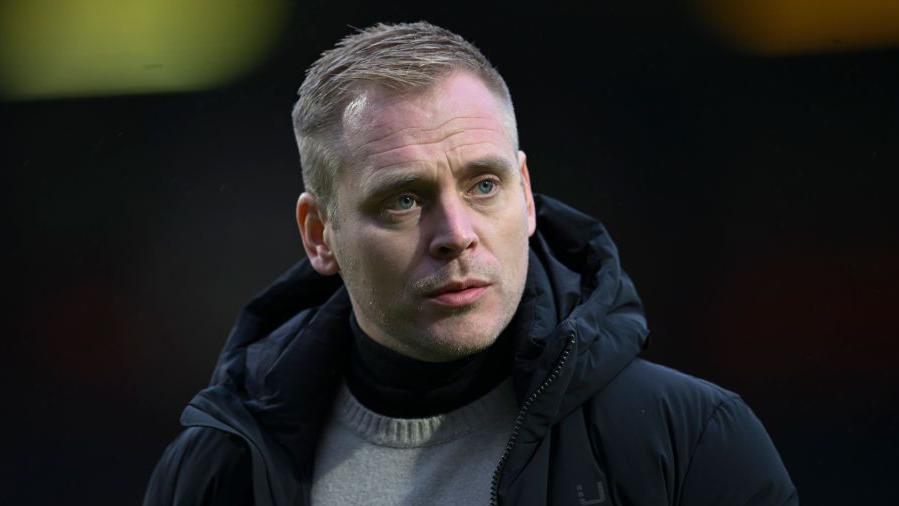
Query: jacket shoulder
{"type": "Point", "coordinates": [644, 385]}
{"type": "Point", "coordinates": [202, 466]}
{"type": "Point", "coordinates": [700, 443]}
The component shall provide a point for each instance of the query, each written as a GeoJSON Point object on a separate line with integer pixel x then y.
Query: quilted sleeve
{"type": "Point", "coordinates": [202, 467]}
{"type": "Point", "coordinates": [735, 463]}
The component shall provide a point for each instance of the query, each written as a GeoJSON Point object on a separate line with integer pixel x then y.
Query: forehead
{"type": "Point", "coordinates": [457, 118]}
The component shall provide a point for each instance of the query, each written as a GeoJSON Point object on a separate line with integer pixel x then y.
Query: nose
{"type": "Point", "coordinates": [453, 229]}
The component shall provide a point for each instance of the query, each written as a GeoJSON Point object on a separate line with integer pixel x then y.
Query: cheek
{"type": "Point", "coordinates": [516, 234]}
{"type": "Point", "coordinates": [509, 246]}
{"type": "Point", "coordinates": [519, 245]}
{"type": "Point", "coordinates": [383, 258]}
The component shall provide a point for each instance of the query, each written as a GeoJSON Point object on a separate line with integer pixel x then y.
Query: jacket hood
{"type": "Point", "coordinates": [589, 322]}
{"type": "Point", "coordinates": [283, 360]}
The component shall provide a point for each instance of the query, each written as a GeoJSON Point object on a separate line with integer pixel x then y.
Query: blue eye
{"type": "Point", "coordinates": [486, 186]}
{"type": "Point", "coordinates": [405, 202]}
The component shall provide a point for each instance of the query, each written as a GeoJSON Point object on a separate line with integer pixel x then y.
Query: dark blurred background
{"type": "Point", "coordinates": [742, 153]}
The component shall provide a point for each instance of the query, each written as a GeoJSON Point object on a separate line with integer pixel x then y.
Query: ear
{"type": "Point", "coordinates": [314, 231]}
{"type": "Point", "coordinates": [528, 196]}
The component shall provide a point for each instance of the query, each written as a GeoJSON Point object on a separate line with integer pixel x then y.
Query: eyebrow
{"type": "Point", "coordinates": [490, 162]}
{"type": "Point", "coordinates": [394, 180]}
{"type": "Point", "coordinates": [383, 184]}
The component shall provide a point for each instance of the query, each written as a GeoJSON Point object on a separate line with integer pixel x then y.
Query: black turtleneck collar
{"type": "Point", "coordinates": [395, 385]}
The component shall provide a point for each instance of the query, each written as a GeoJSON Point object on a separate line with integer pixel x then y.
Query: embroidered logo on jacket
{"type": "Point", "coordinates": [601, 491]}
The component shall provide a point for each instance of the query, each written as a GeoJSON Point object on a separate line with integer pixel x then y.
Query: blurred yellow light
{"type": "Point", "coordinates": [58, 48]}
{"type": "Point", "coordinates": [795, 26]}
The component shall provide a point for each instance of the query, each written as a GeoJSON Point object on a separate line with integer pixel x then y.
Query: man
{"type": "Point", "coordinates": [451, 338]}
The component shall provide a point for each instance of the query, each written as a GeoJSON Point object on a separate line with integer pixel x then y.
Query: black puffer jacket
{"type": "Point", "coordinates": [597, 424]}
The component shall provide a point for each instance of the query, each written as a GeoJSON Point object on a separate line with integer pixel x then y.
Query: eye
{"type": "Point", "coordinates": [404, 202]}
{"type": "Point", "coordinates": [485, 187]}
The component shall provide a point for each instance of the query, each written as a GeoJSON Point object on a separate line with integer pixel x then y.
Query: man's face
{"type": "Point", "coordinates": [434, 215]}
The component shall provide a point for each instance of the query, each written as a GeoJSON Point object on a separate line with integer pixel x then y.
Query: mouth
{"type": "Point", "coordinates": [459, 293]}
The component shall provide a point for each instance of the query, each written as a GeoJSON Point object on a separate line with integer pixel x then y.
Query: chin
{"type": "Point", "coordinates": [461, 339]}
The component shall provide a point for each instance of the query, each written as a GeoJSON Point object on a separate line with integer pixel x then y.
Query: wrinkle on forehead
{"type": "Point", "coordinates": [442, 152]}
{"type": "Point", "coordinates": [419, 129]}
{"type": "Point", "coordinates": [418, 138]}
{"type": "Point", "coordinates": [384, 128]}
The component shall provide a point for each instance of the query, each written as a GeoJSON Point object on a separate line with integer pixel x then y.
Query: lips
{"type": "Point", "coordinates": [459, 293]}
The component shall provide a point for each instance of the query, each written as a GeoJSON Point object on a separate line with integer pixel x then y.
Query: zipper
{"type": "Point", "coordinates": [519, 420]}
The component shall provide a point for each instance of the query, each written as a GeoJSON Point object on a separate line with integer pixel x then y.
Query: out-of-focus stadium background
{"type": "Point", "coordinates": [742, 153]}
